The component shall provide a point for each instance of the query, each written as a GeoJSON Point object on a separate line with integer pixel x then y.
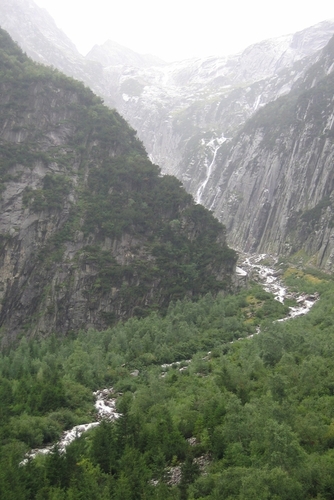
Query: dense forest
{"type": "Point", "coordinates": [240, 418]}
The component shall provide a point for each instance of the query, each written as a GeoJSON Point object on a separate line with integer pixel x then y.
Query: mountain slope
{"type": "Point", "coordinates": [112, 54]}
{"type": "Point", "coordinates": [38, 35]}
{"type": "Point", "coordinates": [34, 28]}
{"type": "Point", "coordinates": [181, 111]}
{"type": "Point", "coordinates": [90, 231]}
{"type": "Point", "coordinates": [279, 170]}
{"type": "Point", "coordinates": [191, 115]}
{"type": "Point", "coordinates": [177, 109]}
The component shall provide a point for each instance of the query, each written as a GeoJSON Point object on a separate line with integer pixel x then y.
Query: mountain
{"type": "Point", "coordinates": [38, 35]}
{"type": "Point", "coordinates": [199, 120]}
{"type": "Point", "coordinates": [34, 28]}
{"type": "Point", "coordinates": [112, 54]}
{"type": "Point", "coordinates": [273, 183]}
{"type": "Point", "coordinates": [91, 232]}
{"type": "Point", "coordinates": [193, 117]}
{"type": "Point", "coordinates": [184, 111]}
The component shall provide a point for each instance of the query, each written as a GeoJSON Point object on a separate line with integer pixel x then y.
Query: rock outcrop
{"type": "Point", "coordinates": [240, 132]}
{"type": "Point", "coordinates": [273, 184]}
{"type": "Point", "coordinates": [90, 231]}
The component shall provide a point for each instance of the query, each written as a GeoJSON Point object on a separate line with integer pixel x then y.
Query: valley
{"type": "Point", "coordinates": [166, 269]}
{"type": "Point", "coordinates": [106, 399]}
{"type": "Point", "coordinates": [269, 107]}
{"type": "Point", "coordinates": [261, 392]}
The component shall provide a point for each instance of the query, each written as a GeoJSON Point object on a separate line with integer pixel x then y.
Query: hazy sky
{"type": "Point", "coordinates": [179, 29]}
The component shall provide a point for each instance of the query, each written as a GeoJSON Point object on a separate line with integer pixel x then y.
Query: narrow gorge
{"type": "Point", "coordinates": [204, 299]}
{"type": "Point", "coordinates": [269, 108]}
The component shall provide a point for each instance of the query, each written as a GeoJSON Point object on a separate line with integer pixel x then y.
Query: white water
{"type": "Point", "coordinates": [214, 147]}
{"type": "Point", "coordinates": [106, 410]}
{"type": "Point", "coordinates": [272, 284]}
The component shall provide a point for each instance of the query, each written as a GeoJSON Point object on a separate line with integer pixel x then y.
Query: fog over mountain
{"type": "Point", "coordinates": [195, 118]}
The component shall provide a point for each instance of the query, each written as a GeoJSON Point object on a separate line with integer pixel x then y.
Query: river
{"type": "Point", "coordinates": [270, 280]}
{"type": "Point", "coordinates": [105, 400]}
{"type": "Point", "coordinates": [105, 405]}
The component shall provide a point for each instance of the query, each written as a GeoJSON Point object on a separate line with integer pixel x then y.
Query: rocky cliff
{"type": "Point", "coordinates": [199, 120]}
{"type": "Point", "coordinates": [273, 184]}
{"type": "Point", "coordinates": [90, 231]}
{"type": "Point", "coordinates": [184, 111]}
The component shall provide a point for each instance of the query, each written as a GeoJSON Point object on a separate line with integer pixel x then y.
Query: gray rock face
{"type": "Point", "coordinates": [35, 295]}
{"type": "Point", "coordinates": [195, 119]}
{"type": "Point", "coordinates": [273, 185]}
{"type": "Point", "coordinates": [90, 232]}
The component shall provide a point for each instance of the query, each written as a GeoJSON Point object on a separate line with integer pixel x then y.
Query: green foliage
{"type": "Point", "coordinates": [100, 186]}
{"type": "Point", "coordinates": [310, 280]}
{"type": "Point", "coordinates": [313, 215]}
{"type": "Point", "coordinates": [261, 410]}
{"type": "Point", "coordinates": [51, 197]}
{"type": "Point", "coordinates": [18, 154]}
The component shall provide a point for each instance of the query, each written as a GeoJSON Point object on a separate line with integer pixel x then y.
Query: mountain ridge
{"type": "Point", "coordinates": [189, 113]}
{"type": "Point", "coordinates": [91, 233]}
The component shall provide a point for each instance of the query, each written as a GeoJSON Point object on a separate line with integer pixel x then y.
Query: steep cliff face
{"type": "Point", "coordinates": [90, 231]}
{"type": "Point", "coordinates": [273, 185]}
{"type": "Point", "coordinates": [184, 111]}
{"type": "Point", "coordinates": [210, 123]}
{"type": "Point", "coordinates": [181, 111]}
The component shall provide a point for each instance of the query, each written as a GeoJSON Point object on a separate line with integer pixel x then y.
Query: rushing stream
{"type": "Point", "coordinates": [105, 404]}
{"type": "Point", "coordinates": [269, 278]}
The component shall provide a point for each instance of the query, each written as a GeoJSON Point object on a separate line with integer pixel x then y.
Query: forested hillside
{"type": "Point", "coordinates": [234, 418]}
{"type": "Point", "coordinates": [91, 232]}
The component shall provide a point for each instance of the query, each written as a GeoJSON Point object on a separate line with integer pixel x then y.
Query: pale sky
{"type": "Point", "coordinates": [180, 29]}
